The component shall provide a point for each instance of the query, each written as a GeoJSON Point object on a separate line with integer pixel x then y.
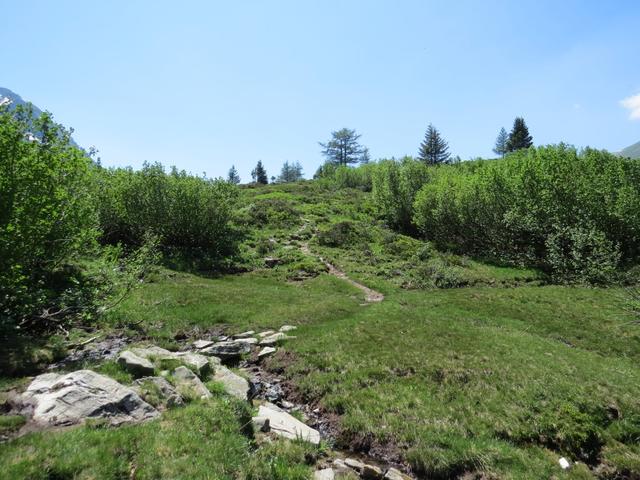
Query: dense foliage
{"type": "Point", "coordinates": [190, 215]}
{"type": "Point", "coordinates": [344, 148]}
{"type": "Point", "coordinates": [433, 149]}
{"type": "Point", "coordinates": [47, 215]}
{"type": "Point", "coordinates": [574, 214]}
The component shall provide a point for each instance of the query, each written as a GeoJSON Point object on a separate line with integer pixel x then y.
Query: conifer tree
{"type": "Point", "coordinates": [343, 148]}
{"type": "Point", "coordinates": [433, 149]}
{"type": "Point", "coordinates": [233, 176]}
{"type": "Point", "coordinates": [519, 137]}
{"type": "Point", "coordinates": [501, 143]}
{"type": "Point", "coordinates": [365, 157]}
{"type": "Point", "coordinates": [291, 172]}
{"type": "Point", "coordinates": [259, 174]}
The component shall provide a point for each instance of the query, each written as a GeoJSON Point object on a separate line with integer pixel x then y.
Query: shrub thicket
{"type": "Point", "coordinates": [47, 216]}
{"type": "Point", "coordinates": [189, 215]}
{"type": "Point", "coordinates": [574, 214]}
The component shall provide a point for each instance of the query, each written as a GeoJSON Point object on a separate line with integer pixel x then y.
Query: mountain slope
{"type": "Point", "coordinates": [632, 151]}
{"type": "Point", "coordinates": [13, 99]}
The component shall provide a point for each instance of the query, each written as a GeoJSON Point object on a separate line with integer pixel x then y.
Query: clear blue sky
{"type": "Point", "coordinates": [203, 84]}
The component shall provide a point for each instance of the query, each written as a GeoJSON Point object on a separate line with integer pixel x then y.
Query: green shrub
{"type": "Point", "coordinates": [575, 215]}
{"type": "Point", "coordinates": [189, 215]}
{"type": "Point", "coordinates": [342, 234]}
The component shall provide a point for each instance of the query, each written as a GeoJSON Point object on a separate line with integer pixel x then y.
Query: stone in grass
{"type": "Point", "coordinates": [265, 352]}
{"type": "Point", "coordinates": [158, 389]}
{"type": "Point", "coordinates": [189, 385]}
{"type": "Point", "coordinates": [200, 344]}
{"type": "Point", "coordinates": [73, 398]}
{"type": "Point", "coordinates": [273, 339]}
{"type": "Point", "coordinates": [393, 474]}
{"type": "Point", "coordinates": [354, 464]}
{"type": "Point", "coordinates": [227, 350]}
{"type": "Point", "coordinates": [261, 424]}
{"type": "Point", "coordinates": [199, 363]}
{"type": "Point", "coordinates": [233, 384]}
{"type": "Point", "coordinates": [266, 333]}
{"type": "Point", "coordinates": [135, 365]}
{"type": "Point", "coordinates": [287, 328]}
{"type": "Point", "coordinates": [247, 334]}
{"type": "Point", "coordinates": [287, 426]}
{"type": "Point", "coordinates": [248, 341]}
{"type": "Point", "coordinates": [324, 474]}
{"type": "Point", "coordinates": [151, 351]}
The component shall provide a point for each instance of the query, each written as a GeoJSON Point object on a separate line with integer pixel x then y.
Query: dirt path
{"type": "Point", "coordinates": [370, 295]}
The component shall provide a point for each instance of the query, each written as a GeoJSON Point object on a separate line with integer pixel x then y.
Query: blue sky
{"type": "Point", "coordinates": [203, 84]}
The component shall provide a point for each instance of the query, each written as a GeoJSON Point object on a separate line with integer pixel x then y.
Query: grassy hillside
{"type": "Point", "coordinates": [465, 370]}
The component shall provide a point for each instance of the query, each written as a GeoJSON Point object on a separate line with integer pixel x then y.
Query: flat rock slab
{"type": "Point", "coordinates": [265, 352]}
{"type": "Point", "coordinates": [273, 339]}
{"type": "Point", "coordinates": [227, 350]}
{"type": "Point", "coordinates": [266, 333]}
{"type": "Point", "coordinates": [234, 384]}
{"type": "Point", "coordinates": [393, 474]}
{"type": "Point", "coordinates": [285, 425]}
{"type": "Point", "coordinates": [75, 397]}
{"type": "Point", "coordinates": [247, 334]}
{"type": "Point", "coordinates": [137, 366]}
{"type": "Point", "coordinates": [200, 344]}
{"type": "Point", "coordinates": [287, 328]}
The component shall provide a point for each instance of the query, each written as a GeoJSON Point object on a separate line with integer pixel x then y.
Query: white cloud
{"type": "Point", "coordinates": [633, 104]}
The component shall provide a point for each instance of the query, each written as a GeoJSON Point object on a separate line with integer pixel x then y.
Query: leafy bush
{"type": "Point", "coordinates": [342, 234]}
{"type": "Point", "coordinates": [395, 184]}
{"type": "Point", "coordinates": [342, 176]}
{"type": "Point", "coordinates": [274, 212]}
{"type": "Point", "coordinates": [573, 214]}
{"type": "Point", "coordinates": [47, 217]}
{"type": "Point", "coordinates": [189, 215]}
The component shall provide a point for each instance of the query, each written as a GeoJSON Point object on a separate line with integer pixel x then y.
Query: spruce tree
{"type": "Point", "coordinates": [365, 157]}
{"type": "Point", "coordinates": [519, 137]}
{"type": "Point", "coordinates": [433, 149]}
{"type": "Point", "coordinates": [233, 176]}
{"type": "Point", "coordinates": [501, 143]}
{"type": "Point", "coordinates": [259, 174]}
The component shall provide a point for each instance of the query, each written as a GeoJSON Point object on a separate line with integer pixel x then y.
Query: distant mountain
{"type": "Point", "coordinates": [8, 97]}
{"type": "Point", "coordinates": [13, 99]}
{"type": "Point", "coordinates": [632, 151]}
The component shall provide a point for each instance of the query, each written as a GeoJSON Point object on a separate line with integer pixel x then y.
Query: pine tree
{"type": "Point", "coordinates": [501, 143]}
{"type": "Point", "coordinates": [434, 149]}
{"type": "Point", "coordinates": [259, 174]}
{"type": "Point", "coordinates": [519, 137]}
{"type": "Point", "coordinates": [233, 176]}
{"type": "Point", "coordinates": [343, 148]}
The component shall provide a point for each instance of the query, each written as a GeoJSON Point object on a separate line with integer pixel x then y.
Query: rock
{"type": "Point", "coordinates": [340, 467]}
{"type": "Point", "coordinates": [151, 352]}
{"type": "Point", "coordinates": [354, 464]}
{"type": "Point", "coordinates": [265, 352]}
{"type": "Point", "coordinates": [247, 334]}
{"type": "Point", "coordinates": [227, 350]}
{"type": "Point", "coordinates": [266, 333]}
{"type": "Point", "coordinates": [324, 474]}
{"type": "Point", "coordinates": [189, 385]}
{"type": "Point", "coordinates": [200, 344]}
{"type": "Point", "coordinates": [393, 474]}
{"type": "Point", "coordinates": [75, 397]}
{"type": "Point", "coordinates": [283, 424]}
{"type": "Point", "coordinates": [287, 405]}
{"type": "Point", "coordinates": [160, 386]}
{"type": "Point", "coordinates": [197, 362]}
{"type": "Point", "coordinates": [137, 366]}
{"type": "Point", "coordinates": [234, 384]}
{"type": "Point", "coordinates": [371, 472]}
{"type": "Point", "coordinates": [248, 341]}
{"type": "Point", "coordinates": [261, 423]}
{"type": "Point", "coordinates": [271, 262]}
{"type": "Point", "coordinates": [273, 339]}
{"type": "Point", "coordinates": [564, 463]}
{"type": "Point", "coordinates": [287, 328]}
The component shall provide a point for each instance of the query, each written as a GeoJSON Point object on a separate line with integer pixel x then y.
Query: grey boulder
{"type": "Point", "coordinates": [137, 366]}
{"type": "Point", "coordinates": [227, 350]}
{"type": "Point", "coordinates": [234, 385]}
{"type": "Point", "coordinates": [287, 426]}
{"type": "Point", "coordinates": [77, 396]}
{"type": "Point", "coordinates": [189, 385]}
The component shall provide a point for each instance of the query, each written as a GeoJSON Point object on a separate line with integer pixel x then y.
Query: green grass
{"type": "Point", "coordinates": [502, 376]}
{"type": "Point", "coordinates": [201, 440]}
